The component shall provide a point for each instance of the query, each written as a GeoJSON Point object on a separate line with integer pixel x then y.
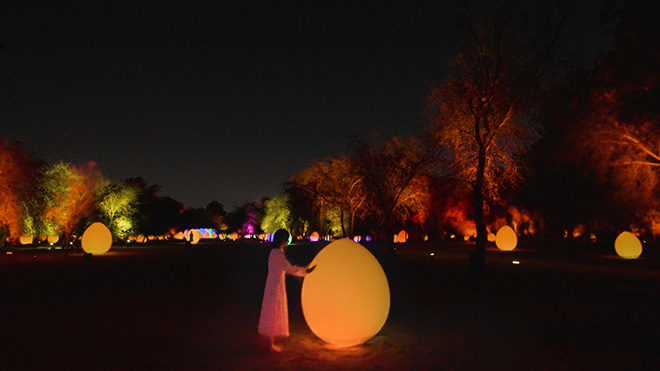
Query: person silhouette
{"type": "Point", "coordinates": [274, 317]}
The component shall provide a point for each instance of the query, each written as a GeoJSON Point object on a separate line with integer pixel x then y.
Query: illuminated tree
{"type": "Point", "coordinates": [335, 183]}
{"type": "Point", "coordinates": [18, 170]}
{"type": "Point", "coordinates": [69, 194]}
{"type": "Point", "coordinates": [118, 206]}
{"type": "Point", "coordinates": [620, 135]}
{"type": "Point", "coordinates": [307, 199]}
{"type": "Point", "coordinates": [484, 111]}
{"type": "Point", "coordinates": [276, 214]}
{"type": "Point", "coordinates": [395, 179]}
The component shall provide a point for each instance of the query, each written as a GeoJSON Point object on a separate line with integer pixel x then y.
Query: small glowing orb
{"type": "Point", "coordinates": [97, 239]}
{"type": "Point", "coordinates": [141, 239]}
{"type": "Point", "coordinates": [357, 238]}
{"type": "Point", "coordinates": [628, 246]}
{"type": "Point", "coordinates": [346, 299]}
{"type": "Point", "coordinates": [515, 262]}
{"type": "Point", "coordinates": [314, 237]}
{"type": "Point", "coordinates": [178, 236]}
{"type": "Point", "coordinates": [26, 239]}
{"type": "Point", "coordinates": [233, 236]}
{"type": "Point", "coordinates": [403, 236]}
{"type": "Point", "coordinates": [53, 238]}
{"type": "Point", "coordinates": [491, 237]}
{"type": "Point", "coordinates": [506, 239]}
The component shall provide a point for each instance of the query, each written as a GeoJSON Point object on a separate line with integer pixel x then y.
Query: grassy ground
{"type": "Point", "coordinates": [168, 307]}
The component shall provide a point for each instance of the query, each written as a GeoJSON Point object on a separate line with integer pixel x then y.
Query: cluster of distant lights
{"type": "Point", "coordinates": [627, 244]}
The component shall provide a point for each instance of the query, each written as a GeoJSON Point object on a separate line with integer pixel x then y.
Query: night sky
{"type": "Point", "coordinates": [223, 102]}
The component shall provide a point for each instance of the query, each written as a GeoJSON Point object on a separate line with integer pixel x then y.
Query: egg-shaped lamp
{"type": "Point", "coordinates": [346, 299]}
{"type": "Point", "coordinates": [96, 239]}
{"type": "Point", "coordinates": [628, 246]}
{"type": "Point", "coordinates": [506, 239]}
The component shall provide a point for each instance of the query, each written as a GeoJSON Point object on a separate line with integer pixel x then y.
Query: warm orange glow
{"type": "Point", "coordinates": [402, 237]}
{"type": "Point", "coordinates": [506, 239]}
{"type": "Point", "coordinates": [314, 237]}
{"type": "Point", "coordinates": [346, 300]}
{"type": "Point", "coordinates": [53, 238]}
{"type": "Point", "coordinates": [26, 239]}
{"type": "Point", "coordinates": [193, 236]}
{"type": "Point", "coordinates": [97, 239]}
{"type": "Point", "coordinates": [233, 236]}
{"type": "Point", "coordinates": [491, 237]}
{"type": "Point", "coordinates": [628, 246]}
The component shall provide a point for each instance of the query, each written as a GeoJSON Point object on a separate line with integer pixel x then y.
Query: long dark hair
{"type": "Point", "coordinates": [280, 236]}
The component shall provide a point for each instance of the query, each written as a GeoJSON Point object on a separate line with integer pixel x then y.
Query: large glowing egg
{"type": "Point", "coordinates": [628, 246]}
{"type": "Point", "coordinates": [346, 299]}
{"type": "Point", "coordinates": [97, 239]}
{"type": "Point", "coordinates": [506, 239]}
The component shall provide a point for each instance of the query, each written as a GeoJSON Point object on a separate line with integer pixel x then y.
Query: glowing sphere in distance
{"type": "Point", "coordinates": [193, 236]}
{"type": "Point", "coordinates": [53, 238]}
{"type": "Point", "coordinates": [314, 237]}
{"type": "Point", "coordinates": [346, 299]}
{"type": "Point", "coordinates": [97, 239]}
{"type": "Point", "coordinates": [628, 246]}
{"type": "Point", "coordinates": [26, 239]}
{"type": "Point", "coordinates": [491, 237]}
{"type": "Point", "coordinates": [506, 239]}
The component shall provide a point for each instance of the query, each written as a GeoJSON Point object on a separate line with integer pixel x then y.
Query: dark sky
{"type": "Point", "coordinates": [221, 102]}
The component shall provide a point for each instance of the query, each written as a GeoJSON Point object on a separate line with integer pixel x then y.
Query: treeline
{"type": "Point", "coordinates": [516, 136]}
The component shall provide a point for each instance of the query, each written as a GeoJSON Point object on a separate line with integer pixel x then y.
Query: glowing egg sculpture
{"type": "Point", "coordinates": [26, 239]}
{"type": "Point", "coordinates": [403, 236]}
{"type": "Point", "coordinates": [506, 239]}
{"type": "Point", "coordinates": [628, 246]}
{"type": "Point", "coordinates": [346, 299]}
{"type": "Point", "coordinates": [97, 239]}
{"type": "Point", "coordinates": [491, 237]}
{"type": "Point", "coordinates": [314, 237]}
{"type": "Point", "coordinates": [193, 236]}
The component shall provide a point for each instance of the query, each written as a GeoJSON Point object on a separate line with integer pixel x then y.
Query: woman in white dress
{"type": "Point", "coordinates": [274, 318]}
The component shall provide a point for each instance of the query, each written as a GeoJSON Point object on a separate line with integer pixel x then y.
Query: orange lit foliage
{"type": "Point", "coordinates": [334, 183]}
{"type": "Point", "coordinates": [622, 127]}
{"type": "Point", "coordinates": [69, 194]}
{"type": "Point", "coordinates": [483, 113]}
{"type": "Point", "coordinates": [17, 173]}
{"type": "Point", "coordinates": [395, 174]}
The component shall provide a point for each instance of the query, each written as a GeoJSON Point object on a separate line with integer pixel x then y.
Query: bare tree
{"type": "Point", "coordinates": [395, 177]}
{"type": "Point", "coordinates": [484, 111]}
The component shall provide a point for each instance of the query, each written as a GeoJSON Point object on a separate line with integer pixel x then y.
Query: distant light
{"type": "Point", "coordinates": [357, 238]}
{"type": "Point", "coordinates": [432, 254]}
{"type": "Point", "coordinates": [10, 252]}
{"type": "Point", "coordinates": [26, 239]}
{"type": "Point", "coordinates": [516, 262]}
{"type": "Point", "coordinates": [314, 237]}
{"type": "Point", "coordinates": [491, 237]}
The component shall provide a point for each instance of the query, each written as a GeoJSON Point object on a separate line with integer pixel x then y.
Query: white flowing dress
{"type": "Point", "coordinates": [274, 318]}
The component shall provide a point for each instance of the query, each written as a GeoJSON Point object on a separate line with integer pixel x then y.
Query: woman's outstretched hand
{"type": "Point", "coordinates": [310, 269]}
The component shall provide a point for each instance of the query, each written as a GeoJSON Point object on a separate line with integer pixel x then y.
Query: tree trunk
{"type": "Point", "coordinates": [478, 259]}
